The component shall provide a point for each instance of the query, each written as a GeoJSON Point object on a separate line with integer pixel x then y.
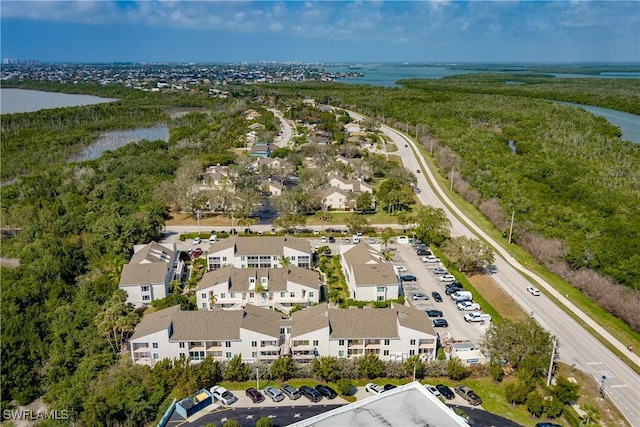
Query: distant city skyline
{"type": "Point", "coordinates": [321, 31]}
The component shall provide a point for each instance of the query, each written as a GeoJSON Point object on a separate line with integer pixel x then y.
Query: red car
{"type": "Point", "coordinates": [254, 395]}
{"type": "Point", "coordinates": [196, 252]}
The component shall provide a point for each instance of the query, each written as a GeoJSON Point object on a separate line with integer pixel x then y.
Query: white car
{"type": "Point", "coordinates": [433, 390]}
{"type": "Point", "coordinates": [373, 388]}
{"type": "Point", "coordinates": [430, 258]}
{"type": "Point", "coordinates": [223, 395]}
{"type": "Point", "coordinates": [468, 306]}
{"type": "Point", "coordinates": [447, 278]}
{"type": "Point", "coordinates": [534, 291]}
{"type": "Point", "coordinates": [323, 239]}
{"type": "Point", "coordinates": [477, 317]}
{"type": "Point", "coordinates": [197, 241]}
{"type": "Point", "coordinates": [401, 268]}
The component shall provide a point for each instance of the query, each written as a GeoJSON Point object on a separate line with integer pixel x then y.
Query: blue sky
{"type": "Point", "coordinates": [323, 31]}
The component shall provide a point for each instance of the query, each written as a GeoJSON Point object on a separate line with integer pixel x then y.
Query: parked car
{"type": "Point", "coordinates": [447, 278]}
{"type": "Point", "coordinates": [196, 252]}
{"type": "Point", "coordinates": [332, 239]}
{"type": "Point", "coordinates": [417, 170]}
{"type": "Point", "coordinates": [323, 239]}
{"type": "Point", "coordinates": [373, 388]}
{"type": "Point", "coordinates": [290, 391]}
{"type": "Point", "coordinates": [254, 395]}
{"type": "Point", "coordinates": [548, 425]}
{"type": "Point", "coordinates": [436, 296]}
{"type": "Point", "coordinates": [371, 240]}
{"type": "Point", "coordinates": [477, 317]}
{"type": "Point", "coordinates": [197, 241]}
{"type": "Point", "coordinates": [433, 390]}
{"type": "Point", "coordinates": [274, 394]}
{"type": "Point", "coordinates": [439, 270]}
{"type": "Point", "coordinates": [434, 313]}
{"type": "Point", "coordinates": [310, 393]}
{"type": "Point", "coordinates": [326, 391]}
{"type": "Point", "coordinates": [223, 395]}
{"type": "Point", "coordinates": [408, 278]}
{"type": "Point", "coordinates": [401, 268]}
{"type": "Point", "coordinates": [452, 288]}
{"type": "Point", "coordinates": [388, 387]}
{"type": "Point", "coordinates": [469, 395]}
{"type": "Point", "coordinates": [468, 306]}
{"type": "Point", "coordinates": [534, 291]}
{"type": "Point", "coordinates": [445, 391]}
{"type": "Point", "coordinates": [419, 296]}
{"type": "Point", "coordinates": [423, 252]}
{"type": "Point", "coordinates": [440, 323]}
{"type": "Point", "coordinates": [430, 258]}
{"type": "Point", "coordinates": [347, 240]}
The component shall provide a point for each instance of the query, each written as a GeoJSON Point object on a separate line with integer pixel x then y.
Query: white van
{"type": "Point", "coordinates": [461, 296]}
{"type": "Point", "coordinates": [213, 238]}
{"type": "Point", "coordinates": [403, 240]}
{"type": "Point", "coordinates": [356, 239]}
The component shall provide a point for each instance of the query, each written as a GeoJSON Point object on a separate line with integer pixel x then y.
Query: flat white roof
{"type": "Point", "coordinates": [408, 405]}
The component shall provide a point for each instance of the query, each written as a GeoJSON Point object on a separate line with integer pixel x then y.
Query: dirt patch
{"type": "Point", "coordinates": [188, 219]}
{"type": "Point", "coordinates": [497, 298]}
{"type": "Point", "coordinates": [9, 262]}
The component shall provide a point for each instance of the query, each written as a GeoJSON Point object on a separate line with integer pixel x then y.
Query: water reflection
{"type": "Point", "coordinates": [116, 139]}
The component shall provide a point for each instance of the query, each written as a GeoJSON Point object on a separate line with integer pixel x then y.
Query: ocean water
{"type": "Point", "coordinates": [25, 101]}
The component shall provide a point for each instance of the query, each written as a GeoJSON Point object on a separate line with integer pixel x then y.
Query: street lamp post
{"type": "Point", "coordinates": [604, 377]}
{"type": "Point", "coordinates": [198, 212]}
{"type": "Point", "coordinates": [513, 215]}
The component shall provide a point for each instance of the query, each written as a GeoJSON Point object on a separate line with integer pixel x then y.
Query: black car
{"type": "Point", "coordinates": [548, 425]}
{"type": "Point", "coordinates": [408, 278]}
{"type": "Point", "coordinates": [440, 323]}
{"type": "Point", "coordinates": [445, 391]}
{"type": "Point", "coordinates": [326, 391]}
{"type": "Point", "coordinates": [452, 287]}
{"type": "Point", "coordinates": [436, 296]}
{"type": "Point", "coordinates": [423, 252]}
{"type": "Point", "coordinates": [434, 313]}
{"type": "Point", "coordinates": [310, 393]}
{"type": "Point", "coordinates": [254, 395]}
{"type": "Point", "coordinates": [332, 239]}
{"type": "Point", "coordinates": [388, 387]}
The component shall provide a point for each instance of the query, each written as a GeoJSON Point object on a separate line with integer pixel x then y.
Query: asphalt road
{"type": "Point", "coordinates": [576, 345]}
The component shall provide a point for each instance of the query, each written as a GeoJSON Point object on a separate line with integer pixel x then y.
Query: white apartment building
{"type": "Point", "coordinates": [259, 334]}
{"type": "Point", "coordinates": [259, 252]}
{"type": "Point", "coordinates": [149, 273]}
{"type": "Point", "coordinates": [369, 276]}
{"type": "Point", "coordinates": [281, 288]}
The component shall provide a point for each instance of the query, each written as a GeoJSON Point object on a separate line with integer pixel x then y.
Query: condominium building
{"type": "Point", "coordinates": [279, 288]}
{"type": "Point", "coordinates": [149, 273]}
{"type": "Point", "coordinates": [369, 275]}
{"type": "Point", "coordinates": [259, 334]}
{"type": "Point", "coordinates": [260, 252]}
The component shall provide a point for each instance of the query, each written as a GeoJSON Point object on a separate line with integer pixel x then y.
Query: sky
{"type": "Point", "coordinates": [561, 31]}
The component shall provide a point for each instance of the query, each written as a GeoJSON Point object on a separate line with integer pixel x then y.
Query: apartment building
{"type": "Point", "coordinates": [280, 288]}
{"type": "Point", "coordinates": [149, 273]}
{"type": "Point", "coordinates": [259, 252]}
{"type": "Point", "coordinates": [259, 334]}
{"type": "Point", "coordinates": [369, 276]}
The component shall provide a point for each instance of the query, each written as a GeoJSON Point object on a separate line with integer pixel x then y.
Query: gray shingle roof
{"type": "Point", "coordinates": [204, 325]}
{"type": "Point", "coordinates": [214, 277]}
{"type": "Point", "coordinates": [413, 318]}
{"type": "Point", "coordinates": [363, 254]}
{"type": "Point", "coordinates": [152, 252]}
{"type": "Point", "coordinates": [372, 275]}
{"type": "Point", "coordinates": [363, 323]}
{"type": "Point", "coordinates": [155, 322]}
{"type": "Point", "coordinates": [143, 274]}
{"type": "Point", "coordinates": [262, 320]}
{"type": "Point", "coordinates": [277, 278]}
{"type": "Point", "coordinates": [308, 320]}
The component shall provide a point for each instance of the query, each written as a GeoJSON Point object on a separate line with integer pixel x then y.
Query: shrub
{"type": "Point", "coordinates": [535, 403]}
{"type": "Point", "coordinates": [345, 386]}
{"type": "Point", "coordinates": [495, 367]}
{"type": "Point", "coordinates": [264, 422]}
{"type": "Point", "coordinates": [456, 370]}
{"type": "Point", "coordinates": [371, 366]}
{"type": "Point", "coordinates": [553, 408]}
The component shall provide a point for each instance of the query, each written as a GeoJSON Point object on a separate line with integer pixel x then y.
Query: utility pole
{"type": "Point", "coordinates": [198, 212]}
{"type": "Point", "coordinates": [513, 215]}
{"type": "Point", "coordinates": [414, 371]}
{"type": "Point", "coordinates": [257, 379]}
{"type": "Point", "coordinates": [431, 150]}
{"type": "Point", "coordinates": [451, 180]}
{"type": "Point", "coordinates": [553, 355]}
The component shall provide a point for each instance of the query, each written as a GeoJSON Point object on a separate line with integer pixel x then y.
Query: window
{"type": "Point", "coordinates": [412, 342]}
{"type": "Point", "coordinates": [204, 305]}
{"type": "Point", "coordinates": [252, 280]}
{"type": "Point", "coordinates": [275, 257]}
{"type": "Point", "coordinates": [412, 352]}
{"type": "Point", "coordinates": [145, 289]}
{"type": "Point", "coordinates": [228, 355]}
{"type": "Point", "coordinates": [204, 295]}
{"type": "Point", "coordinates": [380, 298]}
{"type": "Point", "coordinates": [181, 345]}
{"type": "Point", "coordinates": [310, 294]}
{"type": "Point", "coordinates": [254, 354]}
{"type": "Point", "coordinates": [315, 343]}
{"type": "Point", "coordinates": [155, 345]}
{"type": "Point", "coordinates": [196, 355]}
{"type": "Point", "coordinates": [224, 259]}
{"type": "Point", "coordinates": [156, 356]}
{"type": "Point", "coordinates": [380, 288]}
{"type": "Point", "coordinates": [341, 342]}
{"type": "Point", "coordinates": [223, 295]}
{"type": "Point", "coordinates": [293, 257]}
{"type": "Point", "coordinates": [146, 297]}
{"type": "Point", "coordinates": [385, 353]}
{"type": "Point", "coordinates": [264, 280]}
{"type": "Point", "coordinates": [232, 295]}
{"type": "Point", "coordinates": [227, 344]}
{"type": "Point", "coordinates": [241, 258]}
{"type": "Point", "coordinates": [182, 354]}
{"type": "Point", "coordinates": [283, 294]}
{"type": "Point", "coordinates": [341, 353]}
{"type": "Point", "coordinates": [254, 343]}
{"type": "Point", "coordinates": [292, 294]}
{"type": "Point", "coordinates": [386, 342]}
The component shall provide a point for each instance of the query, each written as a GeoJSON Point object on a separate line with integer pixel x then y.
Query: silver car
{"type": "Point", "coordinates": [274, 394]}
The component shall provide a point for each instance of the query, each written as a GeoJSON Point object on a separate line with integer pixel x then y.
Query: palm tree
{"type": "Point", "coordinates": [212, 300]}
{"type": "Point", "coordinates": [285, 261]}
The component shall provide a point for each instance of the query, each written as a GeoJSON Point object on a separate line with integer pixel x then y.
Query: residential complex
{"type": "Point", "coordinates": [369, 276]}
{"type": "Point", "coordinates": [150, 271]}
{"type": "Point", "coordinates": [279, 288]}
{"type": "Point", "coordinates": [259, 334]}
{"type": "Point", "coordinates": [260, 252]}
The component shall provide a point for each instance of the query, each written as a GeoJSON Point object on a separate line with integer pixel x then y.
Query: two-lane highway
{"type": "Point", "coordinates": [576, 345]}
